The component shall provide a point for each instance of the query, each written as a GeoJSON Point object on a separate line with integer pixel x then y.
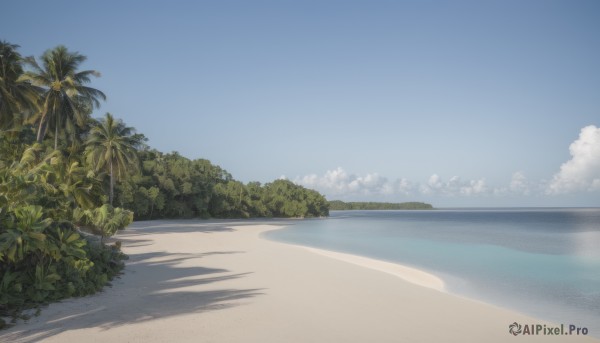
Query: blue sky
{"type": "Point", "coordinates": [458, 103]}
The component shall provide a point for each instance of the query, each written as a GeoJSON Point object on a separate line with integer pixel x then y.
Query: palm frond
{"type": "Point", "coordinates": [84, 76]}
{"type": "Point", "coordinates": [68, 102]}
{"type": "Point", "coordinates": [31, 61]}
{"type": "Point", "coordinates": [18, 97]}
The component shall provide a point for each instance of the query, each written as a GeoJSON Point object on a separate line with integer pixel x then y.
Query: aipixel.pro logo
{"type": "Point", "coordinates": [545, 330]}
{"type": "Point", "coordinates": [514, 328]}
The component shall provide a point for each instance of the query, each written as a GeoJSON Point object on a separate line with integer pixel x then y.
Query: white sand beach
{"type": "Point", "coordinates": [218, 281]}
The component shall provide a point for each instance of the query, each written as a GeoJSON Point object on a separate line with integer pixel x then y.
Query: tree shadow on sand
{"type": "Point", "coordinates": [195, 225]}
{"type": "Point", "coordinates": [164, 288]}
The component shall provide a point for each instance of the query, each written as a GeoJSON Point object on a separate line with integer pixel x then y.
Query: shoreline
{"type": "Point", "coordinates": [413, 275]}
{"type": "Point", "coordinates": [410, 274]}
{"type": "Point", "coordinates": [221, 281]}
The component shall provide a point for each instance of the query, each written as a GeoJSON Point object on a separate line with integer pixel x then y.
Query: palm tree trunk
{"type": "Point", "coordinates": [43, 126]}
{"type": "Point", "coordinates": [111, 194]}
{"type": "Point", "coordinates": [41, 130]}
{"type": "Point", "coordinates": [56, 127]}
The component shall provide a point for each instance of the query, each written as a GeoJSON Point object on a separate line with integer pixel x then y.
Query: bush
{"type": "Point", "coordinates": [43, 257]}
{"type": "Point", "coordinates": [104, 221]}
{"type": "Point", "coordinates": [44, 261]}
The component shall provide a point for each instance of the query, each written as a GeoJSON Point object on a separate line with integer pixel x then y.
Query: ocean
{"type": "Point", "coordinates": [541, 262]}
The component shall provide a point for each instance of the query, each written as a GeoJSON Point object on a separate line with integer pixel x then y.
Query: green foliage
{"type": "Point", "coordinates": [13, 143]}
{"type": "Point", "coordinates": [18, 97]}
{"type": "Point", "coordinates": [172, 186]}
{"type": "Point", "coordinates": [111, 145]}
{"type": "Point", "coordinates": [43, 258]}
{"type": "Point", "coordinates": [230, 199]}
{"type": "Point", "coordinates": [105, 220]}
{"type": "Point", "coordinates": [283, 198]}
{"type": "Point", "coordinates": [66, 98]}
{"type": "Point", "coordinates": [337, 205]}
{"type": "Point", "coordinates": [23, 233]}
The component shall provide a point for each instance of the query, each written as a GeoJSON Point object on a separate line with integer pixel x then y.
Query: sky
{"type": "Point", "coordinates": [455, 103]}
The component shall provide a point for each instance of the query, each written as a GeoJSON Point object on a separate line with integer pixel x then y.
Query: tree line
{"type": "Point", "coordinates": [338, 205]}
{"type": "Point", "coordinates": [172, 186]}
{"type": "Point", "coordinates": [64, 175]}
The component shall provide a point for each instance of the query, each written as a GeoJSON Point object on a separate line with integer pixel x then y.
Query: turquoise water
{"type": "Point", "coordinates": [542, 262]}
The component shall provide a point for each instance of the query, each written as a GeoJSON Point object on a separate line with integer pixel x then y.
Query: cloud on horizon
{"type": "Point", "coordinates": [518, 185]}
{"type": "Point", "coordinates": [582, 171]}
{"type": "Point", "coordinates": [453, 187]}
{"type": "Point", "coordinates": [339, 182]}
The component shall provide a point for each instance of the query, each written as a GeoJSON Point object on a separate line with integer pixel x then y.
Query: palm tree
{"type": "Point", "coordinates": [112, 145]}
{"type": "Point", "coordinates": [67, 102]}
{"type": "Point", "coordinates": [18, 98]}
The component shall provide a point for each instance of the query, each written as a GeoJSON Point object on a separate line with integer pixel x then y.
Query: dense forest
{"type": "Point", "coordinates": [172, 186]}
{"type": "Point", "coordinates": [67, 180]}
{"type": "Point", "coordinates": [337, 205]}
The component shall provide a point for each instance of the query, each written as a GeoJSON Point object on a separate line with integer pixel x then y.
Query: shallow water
{"type": "Point", "coordinates": [542, 262]}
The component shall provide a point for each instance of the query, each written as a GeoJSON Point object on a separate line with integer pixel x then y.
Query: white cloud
{"type": "Point", "coordinates": [582, 171]}
{"type": "Point", "coordinates": [339, 182]}
{"type": "Point", "coordinates": [454, 186]}
{"type": "Point", "coordinates": [519, 184]}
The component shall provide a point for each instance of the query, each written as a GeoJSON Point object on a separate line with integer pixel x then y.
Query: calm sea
{"type": "Point", "coordinates": [542, 262]}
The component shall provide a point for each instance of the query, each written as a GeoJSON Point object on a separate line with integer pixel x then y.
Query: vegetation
{"type": "Point", "coordinates": [112, 145]}
{"type": "Point", "coordinates": [43, 256]}
{"type": "Point", "coordinates": [65, 100]}
{"type": "Point", "coordinates": [337, 205]}
{"type": "Point", "coordinates": [17, 97]}
{"type": "Point", "coordinates": [172, 186]}
{"type": "Point", "coordinates": [62, 171]}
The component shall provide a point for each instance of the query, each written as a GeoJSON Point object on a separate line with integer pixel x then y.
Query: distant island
{"type": "Point", "coordinates": [338, 205]}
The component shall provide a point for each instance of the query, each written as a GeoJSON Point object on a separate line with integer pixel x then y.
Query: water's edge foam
{"type": "Point", "coordinates": [409, 274]}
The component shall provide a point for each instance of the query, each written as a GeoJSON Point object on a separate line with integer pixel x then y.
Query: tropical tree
{"type": "Point", "coordinates": [18, 97]}
{"type": "Point", "coordinates": [112, 145]}
{"type": "Point", "coordinates": [67, 101]}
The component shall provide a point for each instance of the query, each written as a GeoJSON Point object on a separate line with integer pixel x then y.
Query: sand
{"type": "Point", "coordinates": [219, 281]}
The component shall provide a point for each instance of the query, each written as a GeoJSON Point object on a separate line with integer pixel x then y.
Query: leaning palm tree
{"type": "Point", "coordinates": [18, 97]}
{"type": "Point", "coordinates": [112, 146]}
{"type": "Point", "coordinates": [67, 101]}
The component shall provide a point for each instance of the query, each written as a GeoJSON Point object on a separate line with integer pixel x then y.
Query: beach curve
{"type": "Point", "coordinates": [218, 281]}
{"type": "Point", "coordinates": [410, 274]}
